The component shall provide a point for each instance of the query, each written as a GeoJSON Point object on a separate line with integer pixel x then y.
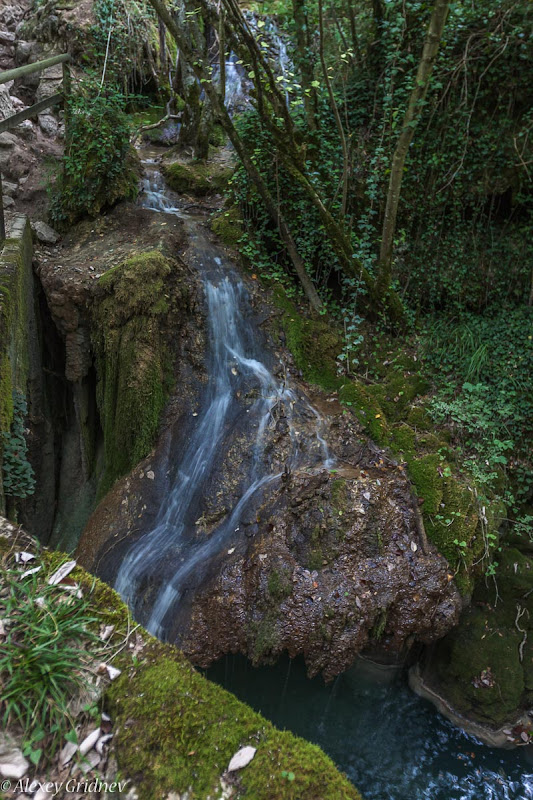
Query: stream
{"type": "Point", "coordinates": [392, 744]}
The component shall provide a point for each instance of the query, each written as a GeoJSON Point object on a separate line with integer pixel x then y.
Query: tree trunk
{"type": "Point", "coordinates": [412, 115]}
{"type": "Point", "coordinates": [305, 62]}
{"type": "Point", "coordinates": [182, 38]}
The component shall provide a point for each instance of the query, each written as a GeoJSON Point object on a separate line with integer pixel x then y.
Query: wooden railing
{"type": "Point", "coordinates": [32, 111]}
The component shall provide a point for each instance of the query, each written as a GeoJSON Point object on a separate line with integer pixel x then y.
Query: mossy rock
{"type": "Point", "coordinates": [478, 645]}
{"type": "Point", "coordinates": [132, 358]}
{"type": "Point", "coordinates": [403, 439]}
{"type": "Point", "coordinates": [217, 136]}
{"type": "Point", "coordinates": [176, 731]}
{"type": "Point", "coordinates": [488, 639]}
{"type": "Point", "coordinates": [228, 226]}
{"type": "Point", "coordinates": [397, 393]}
{"type": "Point", "coordinates": [367, 409]}
{"type": "Point", "coordinates": [313, 343]}
{"type": "Point", "coordinates": [419, 419]}
{"type": "Point", "coordinates": [196, 178]}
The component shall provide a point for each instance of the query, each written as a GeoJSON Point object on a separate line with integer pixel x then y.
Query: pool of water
{"type": "Point", "coordinates": [392, 744]}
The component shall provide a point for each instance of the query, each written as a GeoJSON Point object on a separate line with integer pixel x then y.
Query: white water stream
{"type": "Point", "coordinates": [233, 361]}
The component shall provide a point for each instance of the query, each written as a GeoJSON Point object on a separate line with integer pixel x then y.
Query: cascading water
{"type": "Point", "coordinates": [392, 744]}
{"type": "Point", "coordinates": [233, 365]}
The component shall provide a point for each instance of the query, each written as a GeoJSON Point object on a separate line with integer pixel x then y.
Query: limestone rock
{"type": "Point", "coordinates": [9, 189]}
{"type": "Point", "coordinates": [12, 762]}
{"type": "Point", "coordinates": [44, 232]}
{"type": "Point", "coordinates": [48, 124]}
{"type": "Point", "coordinates": [7, 140]}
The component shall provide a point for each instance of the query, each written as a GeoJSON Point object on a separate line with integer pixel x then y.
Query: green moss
{"type": "Point", "coordinates": [419, 419]}
{"type": "Point", "coordinates": [198, 179]}
{"type": "Point", "coordinates": [217, 136]}
{"type": "Point", "coordinates": [397, 392]}
{"type": "Point", "coordinates": [339, 494]}
{"type": "Point", "coordinates": [186, 730]}
{"type": "Point", "coordinates": [177, 731]}
{"type": "Point", "coordinates": [366, 408]}
{"type": "Point", "coordinates": [403, 439]}
{"type": "Point", "coordinates": [131, 359]}
{"type": "Point", "coordinates": [228, 226]}
{"type": "Point", "coordinates": [476, 646]}
{"type": "Point", "coordinates": [6, 394]}
{"type": "Point", "coordinates": [312, 342]}
{"type": "Point", "coordinates": [427, 480]}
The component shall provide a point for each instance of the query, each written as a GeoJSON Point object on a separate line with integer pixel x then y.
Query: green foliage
{"type": "Point", "coordinates": [43, 659]}
{"type": "Point", "coordinates": [99, 167]}
{"type": "Point", "coordinates": [18, 477]}
{"type": "Point", "coordinates": [483, 366]}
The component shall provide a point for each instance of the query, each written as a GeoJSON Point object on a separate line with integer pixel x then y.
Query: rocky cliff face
{"type": "Point", "coordinates": [328, 560]}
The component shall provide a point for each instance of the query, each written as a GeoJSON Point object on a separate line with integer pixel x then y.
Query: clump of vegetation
{"type": "Point", "coordinates": [99, 166]}
{"type": "Point", "coordinates": [44, 657]}
{"type": "Point", "coordinates": [17, 473]}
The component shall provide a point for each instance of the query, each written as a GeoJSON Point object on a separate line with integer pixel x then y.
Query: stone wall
{"type": "Point", "coordinates": [17, 320]}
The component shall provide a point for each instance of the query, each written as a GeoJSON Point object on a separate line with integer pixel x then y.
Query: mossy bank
{"type": "Point", "coordinates": [177, 731]}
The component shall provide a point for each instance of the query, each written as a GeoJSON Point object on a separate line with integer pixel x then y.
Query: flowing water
{"type": "Point", "coordinates": [392, 744]}
{"type": "Point", "coordinates": [169, 554]}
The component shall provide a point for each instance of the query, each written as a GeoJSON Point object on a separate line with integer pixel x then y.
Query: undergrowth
{"type": "Point", "coordinates": [44, 658]}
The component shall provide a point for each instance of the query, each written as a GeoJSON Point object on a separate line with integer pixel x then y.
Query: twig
{"type": "Point", "coordinates": [519, 614]}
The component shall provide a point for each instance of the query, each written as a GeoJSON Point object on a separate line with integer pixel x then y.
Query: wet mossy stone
{"type": "Point", "coordinates": [176, 731]}
{"type": "Point", "coordinates": [196, 178]}
{"type": "Point", "coordinates": [313, 343]}
{"type": "Point", "coordinates": [132, 360]}
{"type": "Point", "coordinates": [228, 226]}
{"type": "Point", "coordinates": [494, 637]}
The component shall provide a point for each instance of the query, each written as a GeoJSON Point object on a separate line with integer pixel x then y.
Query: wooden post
{"type": "Point", "coordinates": [2, 221]}
{"type": "Point", "coordinates": [67, 89]}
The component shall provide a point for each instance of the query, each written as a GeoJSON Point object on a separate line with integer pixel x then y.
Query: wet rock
{"type": "Point", "coordinates": [24, 50]}
{"type": "Point", "coordinates": [8, 202]}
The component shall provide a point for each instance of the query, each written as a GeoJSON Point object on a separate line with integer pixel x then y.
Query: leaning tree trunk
{"type": "Point", "coordinates": [183, 37]}
{"type": "Point", "coordinates": [412, 115]}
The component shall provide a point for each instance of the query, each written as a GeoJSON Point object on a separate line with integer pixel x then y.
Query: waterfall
{"type": "Point", "coordinates": [233, 365]}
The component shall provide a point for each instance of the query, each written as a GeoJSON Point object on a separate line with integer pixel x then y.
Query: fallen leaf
{"type": "Point", "coordinates": [241, 758]}
{"type": "Point", "coordinates": [62, 572]}
{"type": "Point", "coordinates": [414, 547]}
{"type": "Point", "coordinates": [99, 746]}
{"type": "Point", "coordinates": [24, 557]}
{"type": "Point", "coordinates": [67, 752]}
{"type": "Point", "coordinates": [106, 631]}
{"type": "Point", "coordinates": [89, 741]}
{"type": "Point", "coordinates": [113, 672]}
{"type": "Point", "coordinates": [30, 572]}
